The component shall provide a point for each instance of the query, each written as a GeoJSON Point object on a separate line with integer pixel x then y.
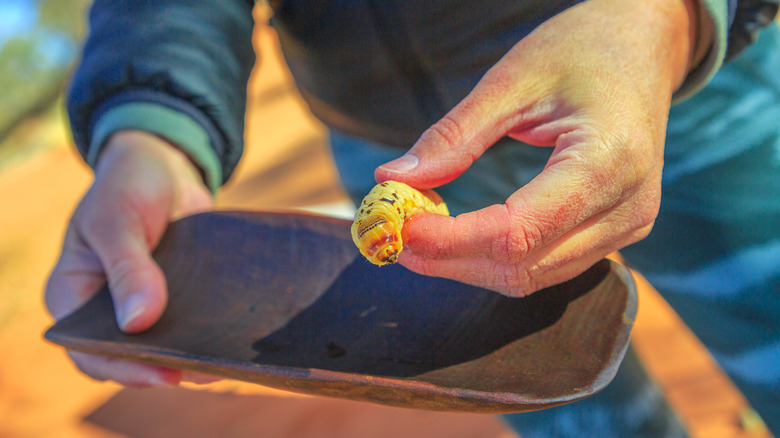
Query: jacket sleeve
{"type": "Point", "coordinates": [734, 24]}
{"type": "Point", "coordinates": [175, 68]}
{"type": "Point", "coordinates": [746, 19]}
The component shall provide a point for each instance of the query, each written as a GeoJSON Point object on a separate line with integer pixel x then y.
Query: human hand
{"type": "Point", "coordinates": [141, 184]}
{"type": "Point", "coordinates": [594, 82]}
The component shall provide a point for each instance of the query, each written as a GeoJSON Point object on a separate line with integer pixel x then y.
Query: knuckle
{"type": "Point", "coordinates": [640, 234]}
{"type": "Point", "coordinates": [511, 247]}
{"type": "Point", "coordinates": [520, 239]}
{"type": "Point", "coordinates": [643, 232]}
{"type": "Point", "coordinates": [646, 217]}
{"type": "Point", "coordinates": [625, 162]}
{"type": "Point", "coordinates": [446, 130]}
{"type": "Point", "coordinates": [645, 211]}
{"type": "Point", "coordinates": [123, 272]}
{"type": "Point", "coordinates": [98, 207]}
{"type": "Point", "coordinates": [516, 281]}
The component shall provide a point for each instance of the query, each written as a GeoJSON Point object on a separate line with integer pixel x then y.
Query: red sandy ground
{"type": "Point", "coordinates": [42, 395]}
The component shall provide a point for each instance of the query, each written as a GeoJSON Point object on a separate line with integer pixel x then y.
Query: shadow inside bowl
{"type": "Point", "coordinates": [390, 322]}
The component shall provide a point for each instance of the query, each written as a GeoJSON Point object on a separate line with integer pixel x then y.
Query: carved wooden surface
{"type": "Point", "coordinates": [286, 301]}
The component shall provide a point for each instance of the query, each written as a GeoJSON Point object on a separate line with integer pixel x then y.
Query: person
{"type": "Point", "coordinates": [548, 127]}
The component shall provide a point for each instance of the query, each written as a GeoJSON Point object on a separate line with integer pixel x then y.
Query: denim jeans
{"type": "Point", "coordinates": [714, 252]}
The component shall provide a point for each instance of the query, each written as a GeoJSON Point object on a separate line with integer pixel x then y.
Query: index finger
{"type": "Point", "coordinates": [556, 201]}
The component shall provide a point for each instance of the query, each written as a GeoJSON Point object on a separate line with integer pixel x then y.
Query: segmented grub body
{"type": "Point", "coordinates": [378, 220]}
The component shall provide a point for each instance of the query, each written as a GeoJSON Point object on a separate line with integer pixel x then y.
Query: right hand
{"type": "Point", "coordinates": [595, 83]}
{"type": "Point", "coordinates": [142, 183]}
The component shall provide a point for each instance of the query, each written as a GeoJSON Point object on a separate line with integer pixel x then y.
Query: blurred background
{"type": "Point", "coordinates": [39, 42]}
{"type": "Point", "coordinates": [41, 181]}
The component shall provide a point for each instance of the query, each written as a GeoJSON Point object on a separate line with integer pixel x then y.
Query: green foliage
{"type": "Point", "coordinates": [36, 61]}
{"type": "Point", "coordinates": [66, 16]}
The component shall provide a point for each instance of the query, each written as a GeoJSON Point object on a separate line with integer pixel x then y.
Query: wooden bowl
{"type": "Point", "coordinates": [286, 301]}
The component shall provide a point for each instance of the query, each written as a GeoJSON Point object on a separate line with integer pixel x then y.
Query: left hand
{"type": "Point", "coordinates": [594, 82]}
{"type": "Point", "coordinates": [141, 184]}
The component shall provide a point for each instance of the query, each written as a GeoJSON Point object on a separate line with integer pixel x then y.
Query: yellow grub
{"type": "Point", "coordinates": [378, 220]}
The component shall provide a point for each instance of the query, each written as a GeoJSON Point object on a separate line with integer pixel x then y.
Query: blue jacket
{"type": "Point", "coordinates": [381, 70]}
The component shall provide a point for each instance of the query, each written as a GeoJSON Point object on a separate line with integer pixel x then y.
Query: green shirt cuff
{"type": "Point", "coordinates": [716, 11]}
{"type": "Point", "coordinates": [171, 125]}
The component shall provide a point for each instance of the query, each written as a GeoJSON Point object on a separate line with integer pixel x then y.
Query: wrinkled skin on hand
{"type": "Point", "coordinates": [594, 83]}
{"type": "Point", "coordinates": [142, 183]}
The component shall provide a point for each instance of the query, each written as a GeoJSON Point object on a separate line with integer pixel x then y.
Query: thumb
{"type": "Point", "coordinates": [135, 281]}
{"type": "Point", "coordinates": [121, 220]}
{"type": "Point", "coordinates": [442, 153]}
{"type": "Point", "coordinates": [451, 145]}
{"type": "Point", "coordinates": [123, 217]}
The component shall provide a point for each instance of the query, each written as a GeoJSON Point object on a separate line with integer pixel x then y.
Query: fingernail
{"type": "Point", "coordinates": [402, 164]}
{"type": "Point", "coordinates": [131, 310]}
